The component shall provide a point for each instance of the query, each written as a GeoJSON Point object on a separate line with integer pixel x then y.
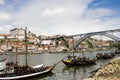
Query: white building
{"type": "Point", "coordinates": [18, 33]}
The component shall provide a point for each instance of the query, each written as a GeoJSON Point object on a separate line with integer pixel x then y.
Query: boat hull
{"type": "Point", "coordinates": [78, 63]}
{"type": "Point", "coordinates": [49, 69]}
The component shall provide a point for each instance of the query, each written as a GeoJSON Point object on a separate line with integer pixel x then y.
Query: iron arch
{"type": "Point", "coordinates": [92, 34]}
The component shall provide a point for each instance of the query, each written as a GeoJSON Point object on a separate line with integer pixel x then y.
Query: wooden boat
{"type": "Point", "coordinates": [99, 55]}
{"type": "Point", "coordinates": [23, 72]}
{"type": "Point", "coordinates": [79, 61]}
{"type": "Point", "coordinates": [15, 71]}
{"type": "Point", "coordinates": [105, 55]}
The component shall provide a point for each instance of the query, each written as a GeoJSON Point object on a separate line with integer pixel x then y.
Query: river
{"type": "Point", "coordinates": [61, 71]}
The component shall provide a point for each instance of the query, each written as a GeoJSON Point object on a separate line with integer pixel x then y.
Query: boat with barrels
{"type": "Point", "coordinates": [76, 61]}
{"type": "Point", "coordinates": [73, 60]}
{"type": "Point", "coordinates": [105, 55]}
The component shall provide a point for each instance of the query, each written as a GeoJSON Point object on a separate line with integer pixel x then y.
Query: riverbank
{"type": "Point", "coordinates": [39, 52]}
{"type": "Point", "coordinates": [111, 71]}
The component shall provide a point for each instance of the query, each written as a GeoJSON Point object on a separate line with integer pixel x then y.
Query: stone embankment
{"type": "Point", "coordinates": [111, 71]}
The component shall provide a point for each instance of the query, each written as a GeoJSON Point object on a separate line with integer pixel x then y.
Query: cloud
{"type": "Point", "coordinates": [5, 28]}
{"type": "Point", "coordinates": [53, 12]}
{"type": "Point", "coordinates": [2, 1]}
{"type": "Point", "coordinates": [4, 16]}
{"type": "Point", "coordinates": [43, 17]}
{"type": "Point", "coordinates": [69, 17]}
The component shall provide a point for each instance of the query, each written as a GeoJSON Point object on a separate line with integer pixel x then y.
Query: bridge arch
{"type": "Point", "coordinates": [92, 34]}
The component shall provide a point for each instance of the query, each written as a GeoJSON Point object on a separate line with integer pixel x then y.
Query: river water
{"type": "Point", "coordinates": [61, 71]}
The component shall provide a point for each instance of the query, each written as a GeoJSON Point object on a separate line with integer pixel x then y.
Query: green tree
{"type": "Point", "coordinates": [117, 45]}
{"type": "Point", "coordinates": [90, 44]}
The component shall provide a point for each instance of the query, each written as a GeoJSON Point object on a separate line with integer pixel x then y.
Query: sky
{"type": "Point", "coordinates": [52, 17]}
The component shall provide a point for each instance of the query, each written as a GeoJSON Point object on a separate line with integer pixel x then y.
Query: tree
{"type": "Point", "coordinates": [90, 45]}
{"type": "Point", "coordinates": [117, 45]}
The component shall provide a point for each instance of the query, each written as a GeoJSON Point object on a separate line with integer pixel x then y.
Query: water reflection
{"type": "Point", "coordinates": [78, 72]}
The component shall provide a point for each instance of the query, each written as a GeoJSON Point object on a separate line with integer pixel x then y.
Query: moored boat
{"type": "Point", "coordinates": [79, 61]}
{"type": "Point", "coordinates": [21, 72]}
{"type": "Point", "coordinates": [105, 55]}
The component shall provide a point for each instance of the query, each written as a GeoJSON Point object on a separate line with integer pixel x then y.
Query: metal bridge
{"type": "Point", "coordinates": [84, 36]}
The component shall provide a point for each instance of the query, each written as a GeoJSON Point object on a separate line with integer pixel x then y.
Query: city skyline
{"type": "Point", "coordinates": [50, 17]}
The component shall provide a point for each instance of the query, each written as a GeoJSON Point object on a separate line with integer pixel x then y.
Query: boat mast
{"type": "Point", "coordinates": [26, 47]}
{"type": "Point", "coordinates": [73, 45]}
{"type": "Point", "coordinates": [82, 50]}
{"type": "Point", "coordinates": [17, 44]}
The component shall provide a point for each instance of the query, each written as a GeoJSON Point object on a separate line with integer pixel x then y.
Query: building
{"type": "Point", "coordinates": [18, 33]}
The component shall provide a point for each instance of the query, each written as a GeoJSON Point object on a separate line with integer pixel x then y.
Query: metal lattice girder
{"type": "Point", "coordinates": [97, 33]}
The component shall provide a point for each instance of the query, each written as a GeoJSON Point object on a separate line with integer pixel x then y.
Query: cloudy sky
{"type": "Point", "coordinates": [50, 17]}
